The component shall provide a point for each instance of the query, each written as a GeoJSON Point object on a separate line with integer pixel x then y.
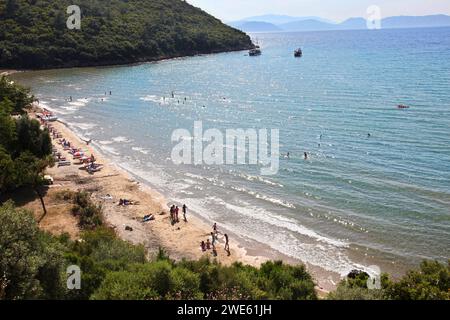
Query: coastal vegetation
{"type": "Point", "coordinates": [25, 148]}
{"type": "Point", "coordinates": [431, 281]}
{"type": "Point", "coordinates": [33, 34]}
{"type": "Point", "coordinates": [33, 265]}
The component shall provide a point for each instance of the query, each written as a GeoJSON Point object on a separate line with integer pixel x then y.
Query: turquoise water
{"type": "Point", "coordinates": [358, 200]}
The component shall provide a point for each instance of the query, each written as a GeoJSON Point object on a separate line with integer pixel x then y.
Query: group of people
{"type": "Point", "coordinates": [211, 242]}
{"type": "Point", "coordinates": [174, 214]}
{"type": "Point", "coordinates": [89, 162]}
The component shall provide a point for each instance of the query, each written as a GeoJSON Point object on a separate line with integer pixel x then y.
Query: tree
{"type": "Point", "coordinates": [30, 172]}
{"type": "Point", "coordinates": [430, 282]}
{"type": "Point", "coordinates": [19, 96]}
{"type": "Point", "coordinates": [7, 173]}
{"type": "Point", "coordinates": [11, 7]}
{"type": "Point", "coordinates": [7, 124]}
{"type": "Point", "coordinates": [31, 138]}
{"type": "Point", "coordinates": [31, 262]}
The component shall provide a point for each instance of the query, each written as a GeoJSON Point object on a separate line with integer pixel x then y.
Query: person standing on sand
{"type": "Point", "coordinates": [177, 210]}
{"type": "Point", "coordinates": [216, 232]}
{"type": "Point", "coordinates": [213, 238]}
{"type": "Point", "coordinates": [172, 214]}
{"type": "Point", "coordinates": [184, 212]}
{"type": "Point", "coordinates": [227, 244]}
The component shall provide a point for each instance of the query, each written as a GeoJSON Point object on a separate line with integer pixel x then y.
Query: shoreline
{"type": "Point", "coordinates": [181, 240]}
{"type": "Point", "coordinates": [8, 72]}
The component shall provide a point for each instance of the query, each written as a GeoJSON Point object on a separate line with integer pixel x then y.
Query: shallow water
{"type": "Point", "coordinates": [381, 199]}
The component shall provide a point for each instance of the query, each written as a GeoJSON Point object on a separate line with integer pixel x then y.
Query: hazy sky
{"type": "Point", "coordinates": [337, 10]}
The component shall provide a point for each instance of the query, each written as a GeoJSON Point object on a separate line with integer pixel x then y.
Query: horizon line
{"type": "Point", "coordinates": [331, 20]}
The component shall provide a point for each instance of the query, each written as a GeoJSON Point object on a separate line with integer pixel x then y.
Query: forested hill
{"type": "Point", "coordinates": [34, 34]}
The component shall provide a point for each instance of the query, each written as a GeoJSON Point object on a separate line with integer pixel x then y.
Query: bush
{"type": "Point", "coordinates": [89, 214]}
{"type": "Point", "coordinates": [31, 262]}
{"type": "Point", "coordinates": [430, 282]}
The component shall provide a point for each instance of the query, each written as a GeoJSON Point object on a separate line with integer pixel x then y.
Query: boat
{"type": "Point", "coordinates": [298, 53]}
{"type": "Point", "coordinates": [402, 106]}
{"type": "Point", "coordinates": [255, 51]}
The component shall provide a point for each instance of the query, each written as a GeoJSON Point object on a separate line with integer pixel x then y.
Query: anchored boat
{"type": "Point", "coordinates": [255, 51]}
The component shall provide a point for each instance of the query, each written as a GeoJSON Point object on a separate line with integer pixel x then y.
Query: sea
{"type": "Point", "coordinates": [375, 189]}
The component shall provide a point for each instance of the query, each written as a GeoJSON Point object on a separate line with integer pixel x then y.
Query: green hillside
{"type": "Point", "coordinates": [33, 33]}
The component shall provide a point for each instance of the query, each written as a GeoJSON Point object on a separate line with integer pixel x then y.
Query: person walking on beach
{"type": "Point", "coordinates": [177, 210]}
{"type": "Point", "coordinates": [184, 212]}
{"type": "Point", "coordinates": [213, 238]}
{"type": "Point", "coordinates": [216, 232]}
{"type": "Point", "coordinates": [227, 244]}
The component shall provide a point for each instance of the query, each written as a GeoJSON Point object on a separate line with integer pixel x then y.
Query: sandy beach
{"type": "Point", "coordinates": [181, 240]}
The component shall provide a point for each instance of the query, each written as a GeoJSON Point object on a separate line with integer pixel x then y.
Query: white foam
{"type": "Point", "coordinates": [259, 225]}
{"type": "Point", "coordinates": [121, 139]}
{"type": "Point", "coordinates": [280, 221]}
{"type": "Point", "coordinates": [141, 150]}
{"type": "Point", "coordinates": [256, 178]}
{"type": "Point", "coordinates": [265, 197]}
{"type": "Point", "coordinates": [110, 150]}
{"type": "Point", "coordinates": [153, 98]}
{"type": "Point", "coordinates": [84, 126]}
{"type": "Point", "coordinates": [80, 102]}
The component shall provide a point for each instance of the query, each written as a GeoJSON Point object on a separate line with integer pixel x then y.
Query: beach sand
{"type": "Point", "coordinates": [181, 240]}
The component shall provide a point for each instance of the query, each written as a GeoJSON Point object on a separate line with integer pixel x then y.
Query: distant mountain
{"type": "Point", "coordinates": [282, 19]}
{"type": "Point", "coordinates": [256, 26]}
{"type": "Point", "coordinates": [277, 23]}
{"type": "Point", "coordinates": [353, 24]}
{"type": "Point", "coordinates": [438, 20]}
{"type": "Point", "coordinates": [306, 25]}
